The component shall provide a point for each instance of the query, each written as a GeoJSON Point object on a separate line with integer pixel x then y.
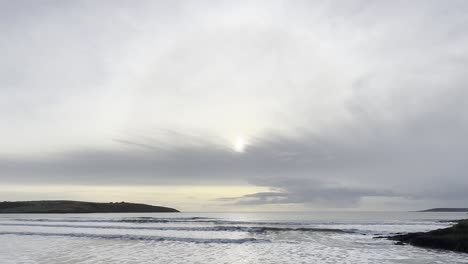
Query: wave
{"type": "Point", "coordinates": [124, 220]}
{"type": "Point", "coordinates": [143, 220]}
{"type": "Point", "coordinates": [143, 238]}
{"type": "Point", "coordinates": [250, 229]}
{"type": "Point", "coordinates": [209, 221]}
{"type": "Point", "coordinates": [216, 221]}
{"type": "Point", "coordinates": [150, 220]}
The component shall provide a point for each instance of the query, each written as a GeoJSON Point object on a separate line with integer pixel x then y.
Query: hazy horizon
{"type": "Point", "coordinates": [236, 105]}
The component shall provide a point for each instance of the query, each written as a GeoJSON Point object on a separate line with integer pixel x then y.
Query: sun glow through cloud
{"type": "Point", "coordinates": [239, 144]}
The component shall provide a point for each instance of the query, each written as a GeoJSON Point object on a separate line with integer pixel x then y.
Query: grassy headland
{"type": "Point", "coordinates": [44, 207]}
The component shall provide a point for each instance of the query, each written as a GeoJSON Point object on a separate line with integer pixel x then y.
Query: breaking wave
{"type": "Point", "coordinates": [142, 237]}
{"type": "Point", "coordinates": [250, 229]}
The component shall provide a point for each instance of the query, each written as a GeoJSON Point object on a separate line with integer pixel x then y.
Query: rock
{"type": "Point", "coordinates": [454, 238]}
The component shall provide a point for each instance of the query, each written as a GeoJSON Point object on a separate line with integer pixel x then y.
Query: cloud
{"type": "Point", "coordinates": [419, 157]}
{"type": "Point", "coordinates": [309, 193]}
{"type": "Point", "coordinates": [336, 102]}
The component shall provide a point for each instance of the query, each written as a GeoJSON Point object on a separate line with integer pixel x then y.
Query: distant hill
{"type": "Point", "coordinates": [446, 210]}
{"type": "Point", "coordinates": [79, 207]}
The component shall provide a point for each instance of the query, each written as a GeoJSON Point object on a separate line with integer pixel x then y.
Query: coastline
{"type": "Point", "coordinates": [454, 238]}
{"type": "Point", "coordinates": [74, 207]}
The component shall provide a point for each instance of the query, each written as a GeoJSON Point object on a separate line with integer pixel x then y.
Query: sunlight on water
{"type": "Point", "coordinates": [218, 238]}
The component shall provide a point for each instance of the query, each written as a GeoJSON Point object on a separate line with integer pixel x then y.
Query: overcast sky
{"type": "Point", "coordinates": [240, 104]}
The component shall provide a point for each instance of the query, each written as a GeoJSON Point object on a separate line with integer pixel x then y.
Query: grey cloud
{"type": "Point", "coordinates": [363, 99]}
{"type": "Point", "coordinates": [310, 193]}
{"type": "Point", "coordinates": [257, 198]}
{"type": "Point", "coordinates": [421, 157]}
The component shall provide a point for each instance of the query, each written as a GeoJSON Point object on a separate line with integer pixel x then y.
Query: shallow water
{"type": "Point", "coordinates": [320, 237]}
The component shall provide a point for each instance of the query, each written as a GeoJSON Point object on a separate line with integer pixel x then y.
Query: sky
{"type": "Point", "coordinates": [236, 105]}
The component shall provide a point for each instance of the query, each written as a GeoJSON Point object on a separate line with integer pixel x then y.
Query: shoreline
{"type": "Point", "coordinates": [453, 238]}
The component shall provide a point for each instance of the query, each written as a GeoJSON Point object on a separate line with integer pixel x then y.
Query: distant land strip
{"type": "Point", "coordinates": [72, 207]}
{"type": "Point", "coordinates": [445, 210]}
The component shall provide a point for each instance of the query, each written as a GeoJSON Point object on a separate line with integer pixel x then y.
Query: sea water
{"type": "Point", "coordinates": [318, 237]}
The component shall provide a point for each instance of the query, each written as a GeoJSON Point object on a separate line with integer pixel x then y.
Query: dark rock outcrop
{"type": "Point", "coordinates": [79, 207]}
{"type": "Point", "coordinates": [453, 238]}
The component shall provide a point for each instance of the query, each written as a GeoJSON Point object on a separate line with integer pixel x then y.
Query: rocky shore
{"type": "Point", "coordinates": [454, 238]}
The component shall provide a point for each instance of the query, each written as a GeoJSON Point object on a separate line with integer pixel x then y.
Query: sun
{"type": "Point", "coordinates": [239, 144]}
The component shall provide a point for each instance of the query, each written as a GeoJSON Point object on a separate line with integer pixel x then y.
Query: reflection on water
{"type": "Point", "coordinates": [320, 237]}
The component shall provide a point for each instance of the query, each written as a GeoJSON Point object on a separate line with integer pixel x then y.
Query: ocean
{"type": "Point", "coordinates": [318, 237]}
